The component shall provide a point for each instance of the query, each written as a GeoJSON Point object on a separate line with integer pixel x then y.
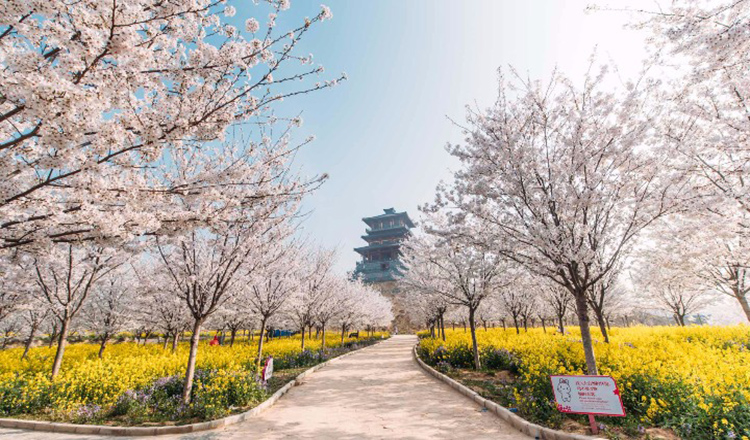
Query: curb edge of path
{"type": "Point", "coordinates": [516, 421]}
{"type": "Point", "coordinates": [71, 428]}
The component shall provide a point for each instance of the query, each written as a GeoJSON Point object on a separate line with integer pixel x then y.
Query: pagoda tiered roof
{"type": "Point", "coordinates": [380, 258]}
{"type": "Point", "coordinates": [388, 213]}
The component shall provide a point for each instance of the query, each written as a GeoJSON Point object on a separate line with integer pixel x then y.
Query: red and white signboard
{"type": "Point", "coordinates": [267, 372]}
{"type": "Point", "coordinates": [595, 395]}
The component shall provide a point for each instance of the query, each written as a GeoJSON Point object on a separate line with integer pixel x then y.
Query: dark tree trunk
{"type": "Point", "coordinates": [680, 319]}
{"type": "Point", "coordinates": [602, 324]}
{"type": "Point", "coordinates": [583, 321]}
{"type": "Point", "coordinates": [260, 341]}
{"type": "Point", "coordinates": [29, 341]}
{"type": "Point", "coordinates": [442, 325]}
{"type": "Point", "coordinates": [103, 345]}
{"type": "Point", "coordinates": [61, 341]}
{"type": "Point", "coordinates": [474, 346]}
{"type": "Point", "coordinates": [190, 372]}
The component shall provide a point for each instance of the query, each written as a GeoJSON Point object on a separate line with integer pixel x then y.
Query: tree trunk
{"type": "Point", "coordinates": [232, 335]}
{"type": "Point", "coordinates": [175, 337]}
{"type": "Point", "coordinates": [190, 373]}
{"type": "Point", "coordinates": [53, 335]}
{"type": "Point", "coordinates": [323, 337]}
{"type": "Point", "coordinates": [680, 318]}
{"type": "Point", "coordinates": [343, 333]}
{"type": "Point", "coordinates": [503, 321]}
{"type": "Point", "coordinates": [744, 303]}
{"type": "Point", "coordinates": [166, 340]}
{"type": "Point", "coordinates": [103, 345]}
{"type": "Point", "coordinates": [260, 341]}
{"type": "Point", "coordinates": [544, 325]}
{"type": "Point", "coordinates": [61, 341]}
{"type": "Point", "coordinates": [525, 324]}
{"type": "Point", "coordinates": [515, 323]}
{"type": "Point", "coordinates": [602, 324]}
{"type": "Point", "coordinates": [442, 325]}
{"type": "Point", "coordinates": [583, 321]}
{"type": "Point", "coordinates": [484, 324]}
{"type": "Point", "coordinates": [474, 346]}
{"type": "Point", "coordinates": [29, 341]}
{"type": "Point", "coordinates": [303, 337]}
{"type": "Point", "coordinates": [561, 323]}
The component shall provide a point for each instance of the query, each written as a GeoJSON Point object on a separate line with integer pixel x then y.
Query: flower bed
{"type": "Point", "coordinates": [136, 384]}
{"type": "Point", "coordinates": [694, 381]}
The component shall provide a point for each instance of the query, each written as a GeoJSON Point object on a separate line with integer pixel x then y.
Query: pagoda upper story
{"type": "Point", "coordinates": [381, 257]}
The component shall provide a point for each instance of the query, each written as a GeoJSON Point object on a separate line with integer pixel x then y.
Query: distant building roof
{"type": "Point", "coordinates": [389, 213]}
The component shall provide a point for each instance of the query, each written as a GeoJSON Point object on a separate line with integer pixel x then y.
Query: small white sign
{"type": "Point", "coordinates": [268, 369]}
{"type": "Point", "coordinates": [596, 395]}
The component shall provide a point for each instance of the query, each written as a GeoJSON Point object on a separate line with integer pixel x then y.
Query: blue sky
{"type": "Point", "coordinates": [411, 65]}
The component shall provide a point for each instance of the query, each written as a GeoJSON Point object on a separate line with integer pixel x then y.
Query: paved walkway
{"type": "Point", "coordinates": [379, 393]}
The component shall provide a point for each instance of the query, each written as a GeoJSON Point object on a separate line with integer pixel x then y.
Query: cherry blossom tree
{"type": "Point", "coordinates": [315, 278]}
{"type": "Point", "coordinates": [684, 264]}
{"type": "Point", "coordinates": [559, 301]}
{"type": "Point", "coordinates": [361, 304]}
{"type": "Point", "coordinates": [234, 316]}
{"type": "Point", "coordinates": [333, 303]}
{"type": "Point", "coordinates": [205, 270]}
{"type": "Point", "coordinates": [13, 282]}
{"type": "Point", "coordinates": [272, 286]}
{"type": "Point", "coordinates": [423, 306]}
{"type": "Point", "coordinates": [99, 99]}
{"type": "Point", "coordinates": [65, 278]}
{"type": "Point", "coordinates": [563, 178]}
{"type": "Point", "coordinates": [33, 315]}
{"type": "Point", "coordinates": [516, 302]}
{"type": "Point", "coordinates": [111, 307]}
{"type": "Point", "coordinates": [157, 303]}
{"type": "Point", "coordinates": [704, 46]}
{"type": "Point", "coordinates": [463, 274]}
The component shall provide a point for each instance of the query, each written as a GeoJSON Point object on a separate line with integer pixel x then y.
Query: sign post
{"type": "Point", "coordinates": [591, 395]}
{"type": "Point", "coordinates": [267, 372]}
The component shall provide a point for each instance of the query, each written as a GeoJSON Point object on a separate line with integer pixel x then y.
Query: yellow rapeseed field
{"type": "Point", "coordinates": [695, 380]}
{"type": "Point", "coordinates": [86, 380]}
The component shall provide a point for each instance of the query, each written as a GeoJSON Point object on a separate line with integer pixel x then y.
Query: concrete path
{"type": "Point", "coordinates": [379, 393]}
